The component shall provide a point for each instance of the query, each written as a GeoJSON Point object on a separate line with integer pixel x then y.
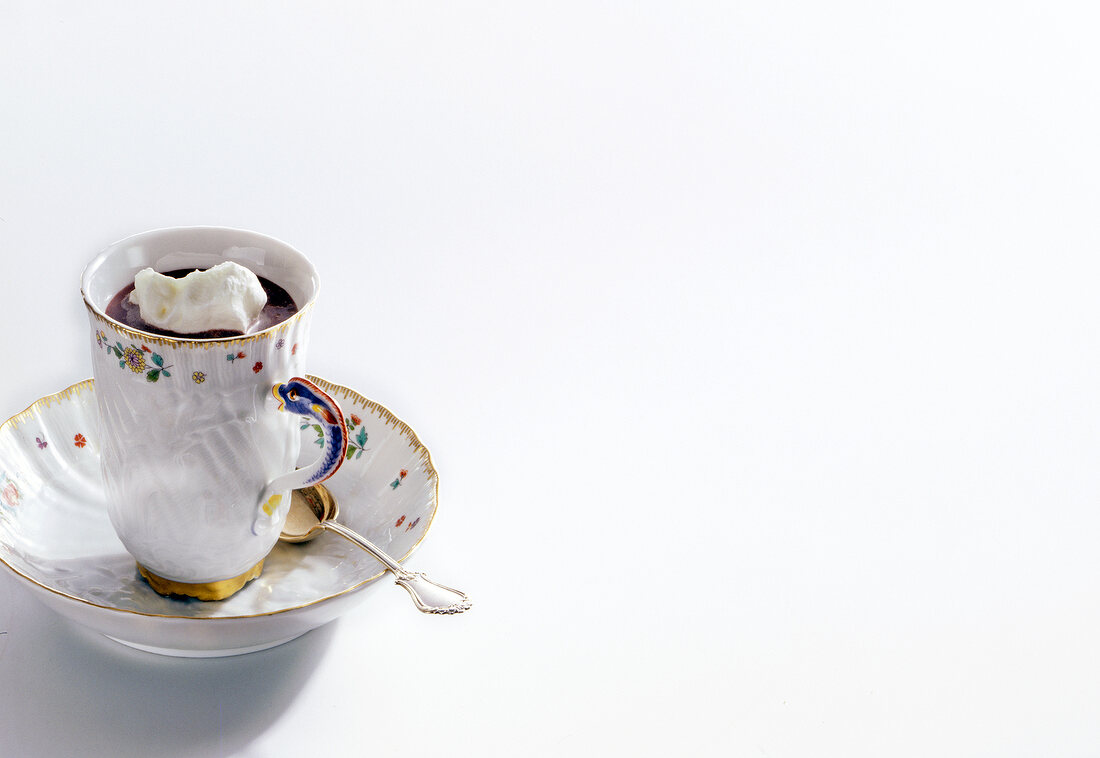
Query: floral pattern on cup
{"type": "Point", "coordinates": [140, 360]}
{"type": "Point", "coordinates": [80, 440]}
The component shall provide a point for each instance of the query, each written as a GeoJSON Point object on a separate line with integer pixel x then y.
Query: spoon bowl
{"type": "Point", "coordinates": [309, 509]}
{"type": "Point", "coordinates": [314, 510]}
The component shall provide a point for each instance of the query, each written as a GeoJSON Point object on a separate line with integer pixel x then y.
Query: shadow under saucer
{"type": "Point", "coordinates": [99, 698]}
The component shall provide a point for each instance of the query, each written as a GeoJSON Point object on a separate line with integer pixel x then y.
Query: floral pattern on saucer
{"type": "Point", "coordinates": [357, 435]}
{"type": "Point", "coordinates": [9, 491]}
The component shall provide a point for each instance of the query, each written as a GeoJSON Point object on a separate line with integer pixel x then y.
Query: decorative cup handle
{"type": "Point", "coordinates": [304, 398]}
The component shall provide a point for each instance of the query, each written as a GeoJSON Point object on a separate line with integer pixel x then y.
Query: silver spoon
{"type": "Point", "coordinates": [314, 509]}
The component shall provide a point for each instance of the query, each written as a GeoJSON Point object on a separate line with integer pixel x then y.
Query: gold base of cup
{"type": "Point", "coordinates": [204, 590]}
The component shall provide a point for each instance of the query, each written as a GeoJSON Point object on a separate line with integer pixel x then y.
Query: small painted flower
{"type": "Point", "coordinates": [198, 377]}
{"type": "Point", "coordinates": [279, 343]}
{"type": "Point", "coordinates": [412, 523]}
{"type": "Point", "coordinates": [357, 445]}
{"type": "Point", "coordinates": [10, 494]}
{"type": "Point", "coordinates": [258, 367]}
{"type": "Point", "coordinates": [400, 521]}
{"type": "Point", "coordinates": [397, 482]}
{"type": "Point", "coordinates": [41, 443]}
{"type": "Point", "coordinates": [356, 420]}
{"type": "Point", "coordinates": [294, 350]}
{"type": "Point", "coordinates": [146, 349]}
{"type": "Point", "coordinates": [80, 440]}
{"type": "Point", "coordinates": [134, 359]}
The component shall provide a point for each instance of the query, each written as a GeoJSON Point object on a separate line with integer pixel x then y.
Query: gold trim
{"type": "Point", "coordinates": [345, 392]}
{"type": "Point", "coordinates": [202, 590]}
{"type": "Point", "coordinates": [383, 413]}
{"type": "Point", "coordinates": [48, 400]}
{"type": "Point", "coordinates": [159, 339]}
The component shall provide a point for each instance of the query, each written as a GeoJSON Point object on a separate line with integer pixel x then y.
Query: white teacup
{"type": "Point", "coordinates": [197, 447]}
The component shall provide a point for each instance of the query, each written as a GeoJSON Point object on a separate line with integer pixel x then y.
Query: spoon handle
{"type": "Point", "coordinates": [429, 596]}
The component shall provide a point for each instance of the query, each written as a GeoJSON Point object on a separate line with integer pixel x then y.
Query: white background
{"type": "Point", "coordinates": [755, 343]}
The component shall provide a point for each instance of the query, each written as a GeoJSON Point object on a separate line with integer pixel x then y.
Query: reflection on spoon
{"type": "Point", "coordinates": [314, 509]}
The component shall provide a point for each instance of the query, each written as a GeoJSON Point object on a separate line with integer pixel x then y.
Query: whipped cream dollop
{"type": "Point", "coordinates": [227, 296]}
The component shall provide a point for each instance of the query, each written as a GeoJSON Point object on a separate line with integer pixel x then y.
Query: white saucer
{"type": "Point", "coordinates": [55, 534]}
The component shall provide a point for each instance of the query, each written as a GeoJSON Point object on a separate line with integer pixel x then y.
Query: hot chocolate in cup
{"type": "Point", "coordinates": [200, 433]}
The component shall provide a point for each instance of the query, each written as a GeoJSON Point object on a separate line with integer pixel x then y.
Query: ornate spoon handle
{"type": "Point", "coordinates": [429, 596]}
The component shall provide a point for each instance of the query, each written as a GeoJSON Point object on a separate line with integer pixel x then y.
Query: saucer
{"type": "Point", "coordinates": [55, 534]}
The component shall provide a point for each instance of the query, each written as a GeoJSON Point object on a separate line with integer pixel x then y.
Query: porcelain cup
{"type": "Point", "coordinates": [199, 437]}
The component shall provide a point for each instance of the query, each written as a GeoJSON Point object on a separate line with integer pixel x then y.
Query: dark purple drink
{"type": "Point", "coordinates": [280, 306]}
